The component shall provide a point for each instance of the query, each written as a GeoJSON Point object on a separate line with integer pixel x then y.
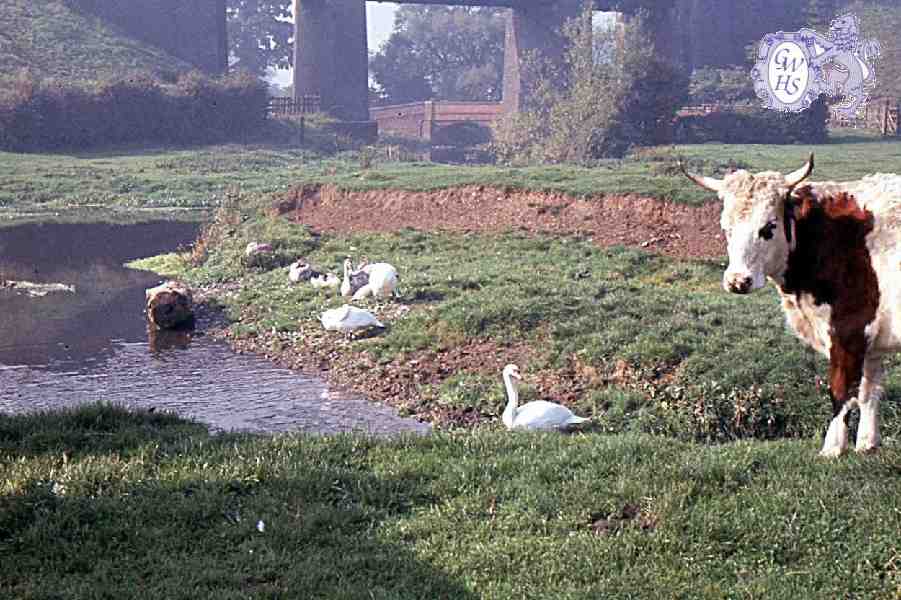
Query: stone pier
{"type": "Point", "coordinates": [331, 57]}
{"type": "Point", "coordinates": [532, 28]}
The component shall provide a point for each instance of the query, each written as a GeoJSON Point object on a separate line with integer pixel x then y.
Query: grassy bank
{"type": "Point", "coordinates": [119, 183]}
{"type": "Point", "coordinates": [101, 502]}
{"type": "Point", "coordinates": [640, 342]}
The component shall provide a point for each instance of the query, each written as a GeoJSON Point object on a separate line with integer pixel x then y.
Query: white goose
{"type": "Point", "coordinates": [348, 318]}
{"type": "Point", "coordinates": [539, 414]}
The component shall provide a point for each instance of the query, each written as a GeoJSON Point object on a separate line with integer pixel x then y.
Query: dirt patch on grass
{"type": "Point", "coordinates": [658, 226]}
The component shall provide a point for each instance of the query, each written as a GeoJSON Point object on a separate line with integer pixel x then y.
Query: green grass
{"type": "Point", "coordinates": [52, 40]}
{"type": "Point", "coordinates": [733, 369]}
{"type": "Point", "coordinates": [100, 502]}
{"type": "Point", "coordinates": [126, 184]}
{"type": "Point", "coordinates": [103, 502]}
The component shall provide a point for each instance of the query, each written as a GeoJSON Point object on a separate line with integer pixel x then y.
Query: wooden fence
{"type": "Point", "coordinates": [285, 106]}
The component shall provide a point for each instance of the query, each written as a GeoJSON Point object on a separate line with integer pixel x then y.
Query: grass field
{"type": "Point", "coordinates": [119, 184]}
{"type": "Point", "coordinates": [698, 478]}
{"type": "Point", "coordinates": [103, 503]}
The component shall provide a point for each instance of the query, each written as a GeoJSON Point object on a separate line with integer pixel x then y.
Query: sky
{"type": "Point", "coordinates": [379, 23]}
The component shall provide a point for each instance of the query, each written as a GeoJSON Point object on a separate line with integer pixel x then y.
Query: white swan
{"type": "Point", "coordinates": [539, 414]}
{"type": "Point", "coordinates": [382, 281]}
{"type": "Point", "coordinates": [348, 318]}
{"type": "Point", "coordinates": [301, 271]}
{"type": "Point", "coordinates": [353, 279]}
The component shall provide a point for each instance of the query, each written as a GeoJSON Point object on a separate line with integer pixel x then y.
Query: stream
{"type": "Point", "coordinates": [66, 348]}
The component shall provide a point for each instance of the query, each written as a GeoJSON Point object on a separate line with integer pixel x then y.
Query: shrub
{"type": "Point", "coordinates": [48, 115]}
{"type": "Point", "coordinates": [596, 104]}
{"type": "Point", "coordinates": [755, 126]}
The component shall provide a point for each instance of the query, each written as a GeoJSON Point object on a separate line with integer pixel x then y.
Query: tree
{"type": "Point", "coordinates": [882, 21]}
{"type": "Point", "coordinates": [443, 53]}
{"type": "Point", "coordinates": [593, 106]}
{"type": "Point", "coordinates": [259, 35]}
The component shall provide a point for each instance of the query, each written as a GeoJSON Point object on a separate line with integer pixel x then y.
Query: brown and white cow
{"type": "Point", "coordinates": [833, 250]}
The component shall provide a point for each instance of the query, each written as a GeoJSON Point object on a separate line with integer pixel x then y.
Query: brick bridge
{"type": "Point", "coordinates": [428, 120]}
{"type": "Point", "coordinates": [331, 53]}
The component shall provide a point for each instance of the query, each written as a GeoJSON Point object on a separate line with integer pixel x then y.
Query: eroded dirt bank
{"type": "Point", "coordinates": [658, 226]}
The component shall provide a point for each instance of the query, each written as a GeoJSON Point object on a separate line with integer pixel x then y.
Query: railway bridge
{"type": "Point", "coordinates": [331, 57]}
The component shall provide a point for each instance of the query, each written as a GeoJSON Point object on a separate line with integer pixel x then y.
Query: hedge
{"type": "Point", "coordinates": [48, 116]}
{"type": "Point", "coordinates": [755, 126]}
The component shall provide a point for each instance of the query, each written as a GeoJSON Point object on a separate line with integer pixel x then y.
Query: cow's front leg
{"type": "Point", "coordinates": [868, 400]}
{"type": "Point", "coordinates": [845, 368]}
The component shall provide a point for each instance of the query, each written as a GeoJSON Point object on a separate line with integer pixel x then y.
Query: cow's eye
{"type": "Point", "coordinates": [766, 232]}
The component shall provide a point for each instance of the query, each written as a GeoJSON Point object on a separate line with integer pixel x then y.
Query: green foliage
{"type": "Point", "coordinates": [441, 53]}
{"type": "Point", "coordinates": [260, 35]}
{"type": "Point", "coordinates": [721, 86]}
{"type": "Point", "coordinates": [43, 116]}
{"type": "Point", "coordinates": [587, 107]}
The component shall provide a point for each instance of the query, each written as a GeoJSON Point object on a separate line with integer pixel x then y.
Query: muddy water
{"type": "Point", "coordinates": [67, 348]}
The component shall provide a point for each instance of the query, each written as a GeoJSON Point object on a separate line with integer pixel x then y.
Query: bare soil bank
{"type": "Point", "coordinates": [658, 226]}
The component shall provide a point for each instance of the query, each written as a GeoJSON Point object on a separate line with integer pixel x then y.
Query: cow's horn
{"type": "Point", "coordinates": [793, 179]}
{"type": "Point", "coordinates": [708, 183]}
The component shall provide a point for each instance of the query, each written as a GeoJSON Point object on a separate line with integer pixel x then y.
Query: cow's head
{"type": "Point", "coordinates": [758, 223]}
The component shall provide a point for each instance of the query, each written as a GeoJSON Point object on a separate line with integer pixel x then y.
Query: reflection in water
{"type": "Point", "coordinates": [67, 349]}
{"type": "Point", "coordinates": [167, 339]}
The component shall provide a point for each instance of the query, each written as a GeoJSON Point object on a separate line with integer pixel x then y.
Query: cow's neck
{"type": "Point", "coordinates": [831, 261]}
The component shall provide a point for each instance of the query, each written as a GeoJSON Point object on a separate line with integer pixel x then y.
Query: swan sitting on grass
{"type": "Point", "coordinates": [539, 414]}
{"type": "Point", "coordinates": [376, 280]}
{"type": "Point", "coordinates": [301, 271]}
{"type": "Point", "coordinates": [348, 318]}
{"type": "Point", "coordinates": [353, 279]}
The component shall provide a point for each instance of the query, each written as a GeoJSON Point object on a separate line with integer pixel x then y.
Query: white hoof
{"type": "Point", "coordinates": [867, 446]}
{"type": "Point", "coordinates": [832, 452]}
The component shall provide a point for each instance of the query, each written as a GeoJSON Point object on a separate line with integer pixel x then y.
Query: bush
{"type": "Point", "coordinates": [594, 105]}
{"type": "Point", "coordinates": [722, 86]}
{"type": "Point", "coordinates": [755, 126]}
{"type": "Point", "coordinates": [47, 116]}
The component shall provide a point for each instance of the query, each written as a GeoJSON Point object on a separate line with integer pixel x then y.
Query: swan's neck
{"type": "Point", "coordinates": [512, 401]}
{"type": "Point", "coordinates": [345, 284]}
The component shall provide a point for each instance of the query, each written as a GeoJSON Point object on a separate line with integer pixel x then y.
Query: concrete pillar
{"type": "Point", "coordinates": [532, 29]}
{"type": "Point", "coordinates": [222, 33]}
{"type": "Point", "coordinates": [331, 57]}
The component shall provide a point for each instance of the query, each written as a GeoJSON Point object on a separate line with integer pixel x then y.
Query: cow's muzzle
{"type": "Point", "coordinates": [738, 283]}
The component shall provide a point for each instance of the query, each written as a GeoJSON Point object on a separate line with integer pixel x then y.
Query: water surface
{"type": "Point", "coordinates": [66, 349]}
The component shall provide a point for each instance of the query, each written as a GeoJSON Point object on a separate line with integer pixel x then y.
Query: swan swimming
{"type": "Point", "coordinates": [539, 414]}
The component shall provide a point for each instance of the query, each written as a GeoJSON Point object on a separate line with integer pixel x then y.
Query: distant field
{"type": "Point", "coordinates": [115, 184]}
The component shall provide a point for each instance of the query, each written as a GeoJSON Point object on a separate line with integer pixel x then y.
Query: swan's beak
{"type": "Point", "coordinates": [516, 375]}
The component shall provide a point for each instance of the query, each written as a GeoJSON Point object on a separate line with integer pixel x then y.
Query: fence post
{"type": "Point", "coordinates": [885, 118]}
